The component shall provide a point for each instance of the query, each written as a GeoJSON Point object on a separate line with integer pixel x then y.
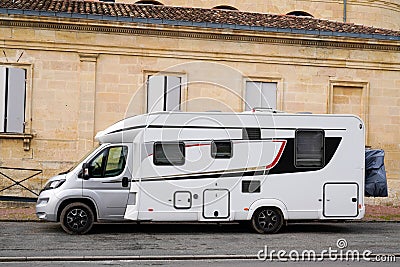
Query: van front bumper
{"type": "Point", "coordinates": [46, 206]}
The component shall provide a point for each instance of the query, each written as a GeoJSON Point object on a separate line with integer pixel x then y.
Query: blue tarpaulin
{"type": "Point", "coordinates": [375, 174]}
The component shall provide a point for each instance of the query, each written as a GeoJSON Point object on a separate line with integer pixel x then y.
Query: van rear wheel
{"type": "Point", "coordinates": [77, 218]}
{"type": "Point", "coordinates": [267, 220]}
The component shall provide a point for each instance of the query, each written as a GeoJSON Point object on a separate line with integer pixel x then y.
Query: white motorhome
{"type": "Point", "coordinates": [264, 167]}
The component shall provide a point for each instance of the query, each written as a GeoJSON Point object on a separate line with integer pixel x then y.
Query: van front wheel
{"type": "Point", "coordinates": [77, 218]}
{"type": "Point", "coordinates": [267, 220]}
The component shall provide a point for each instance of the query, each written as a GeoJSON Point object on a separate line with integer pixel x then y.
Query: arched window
{"type": "Point", "coordinates": [300, 14]}
{"type": "Point", "coordinates": [224, 7]}
{"type": "Point", "coordinates": [148, 2]}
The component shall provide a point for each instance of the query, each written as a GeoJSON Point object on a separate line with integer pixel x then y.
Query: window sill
{"type": "Point", "coordinates": [26, 137]}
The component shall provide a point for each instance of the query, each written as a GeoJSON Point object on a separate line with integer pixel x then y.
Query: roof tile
{"type": "Point", "coordinates": [198, 15]}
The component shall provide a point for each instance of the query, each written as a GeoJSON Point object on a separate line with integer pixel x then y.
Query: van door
{"type": "Point", "coordinates": [216, 203]}
{"type": "Point", "coordinates": [340, 200]}
{"type": "Point", "coordinates": [109, 180]}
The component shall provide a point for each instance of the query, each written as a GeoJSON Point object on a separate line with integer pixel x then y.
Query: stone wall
{"type": "Point", "coordinates": [82, 81]}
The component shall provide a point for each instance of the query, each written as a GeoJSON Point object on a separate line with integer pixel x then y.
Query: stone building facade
{"type": "Point", "coordinates": [86, 69]}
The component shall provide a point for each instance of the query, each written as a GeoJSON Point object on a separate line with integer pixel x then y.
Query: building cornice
{"type": "Point", "coordinates": [299, 38]}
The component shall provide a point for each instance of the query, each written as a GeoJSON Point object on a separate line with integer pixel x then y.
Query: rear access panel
{"type": "Point", "coordinates": [216, 203]}
{"type": "Point", "coordinates": [182, 200]}
{"type": "Point", "coordinates": [340, 200]}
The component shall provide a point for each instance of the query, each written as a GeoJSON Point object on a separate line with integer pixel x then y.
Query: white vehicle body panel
{"type": "Point", "coordinates": [260, 172]}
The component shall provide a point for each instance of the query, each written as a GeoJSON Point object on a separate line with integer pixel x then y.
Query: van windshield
{"type": "Point", "coordinates": [80, 161]}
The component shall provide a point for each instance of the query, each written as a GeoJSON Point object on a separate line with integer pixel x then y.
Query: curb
{"type": "Point", "coordinates": [318, 257]}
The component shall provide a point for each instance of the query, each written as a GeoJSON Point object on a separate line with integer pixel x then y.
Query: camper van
{"type": "Point", "coordinates": [262, 167]}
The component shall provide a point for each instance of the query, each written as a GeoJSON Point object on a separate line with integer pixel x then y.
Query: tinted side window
{"type": "Point", "coordinates": [110, 162]}
{"type": "Point", "coordinates": [96, 165]}
{"type": "Point", "coordinates": [221, 149]}
{"type": "Point", "coordinates": [169, 153]}
{"type": "Point", "coordinates": [310, 148]}
{"type": "Point", "coordinates": [116, 160]}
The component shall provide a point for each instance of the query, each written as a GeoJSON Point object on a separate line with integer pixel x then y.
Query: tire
{"type": "Point", "coordinates": [267, 220]}
{"type": "Point", "coordinates": [77, 218]}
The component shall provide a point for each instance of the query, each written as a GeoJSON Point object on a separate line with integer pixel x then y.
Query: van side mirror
{"type": "Point", "coordinates": [85, 171]}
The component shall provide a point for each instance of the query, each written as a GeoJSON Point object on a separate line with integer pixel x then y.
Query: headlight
{"type": "Point", "coordinates": [53, 184]}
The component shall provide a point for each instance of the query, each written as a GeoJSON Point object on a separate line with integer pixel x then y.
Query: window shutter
{"type": "Point", "coordinates": [15, 100]}
{"type": "Point", "coordinates": [2, 98]}
{"type": "Point", "coordinates": [155, 93]}
{"type": "Point", "coordinates": [260, 94]}
{"type": "Point", "coordinates": [252, 95]}
{"type": "Point", "coordinates": [163, 93]}
{"type": "Point", "coordinates": [173, 93]}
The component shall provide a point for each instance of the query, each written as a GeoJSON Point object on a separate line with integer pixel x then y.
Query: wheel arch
{"type": "Point", "coordinates": [268, 203]}
{"type": "Point", "coordinates": [86, 201]}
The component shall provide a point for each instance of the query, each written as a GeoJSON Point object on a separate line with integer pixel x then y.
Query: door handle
{"type": "Point", "coordinates": [125, 182]}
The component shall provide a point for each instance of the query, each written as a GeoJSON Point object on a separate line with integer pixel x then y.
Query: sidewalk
{"type": "Point", "coordinates": [13, 211]}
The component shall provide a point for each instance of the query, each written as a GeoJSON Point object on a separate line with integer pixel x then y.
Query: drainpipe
{"type": "Point", "coordinates": [344, 10]}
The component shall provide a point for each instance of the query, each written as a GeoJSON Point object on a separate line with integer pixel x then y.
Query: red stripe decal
{"type": "Point", "coordinates": [186, 146]}
{"type": "Point", "coordinates": [197, 145]}
{"type": "Point", "coordinates": [278, 156]}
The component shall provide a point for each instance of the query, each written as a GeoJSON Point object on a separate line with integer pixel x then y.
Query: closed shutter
{"type": "Point", "coordinates": [16, 101]}
{"type": "Point", "coordinates": [173, 93]}
{"type": "Point", "coordinates": [2, 98]}
{"type": "Point", "coordinates": [261, 95]}
{"type": "Point", "coordinates": [163, 93]}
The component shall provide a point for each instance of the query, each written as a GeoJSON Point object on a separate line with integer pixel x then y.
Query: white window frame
{"type": "Point", "coordinates": [27, 134]}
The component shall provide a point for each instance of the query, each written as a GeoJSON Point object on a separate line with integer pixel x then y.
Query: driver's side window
{"type": "Point", "coordinates": [110, 162]}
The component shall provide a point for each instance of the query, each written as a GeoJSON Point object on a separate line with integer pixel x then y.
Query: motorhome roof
{"type": "Point", "coordinates": [199, 120]}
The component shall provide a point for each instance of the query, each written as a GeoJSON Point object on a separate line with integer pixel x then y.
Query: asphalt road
{"type": "Point", "coordinates": [47, 240]}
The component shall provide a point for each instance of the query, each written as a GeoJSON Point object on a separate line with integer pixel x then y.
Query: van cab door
{"type": "Point", "coordinates": [108, 180]}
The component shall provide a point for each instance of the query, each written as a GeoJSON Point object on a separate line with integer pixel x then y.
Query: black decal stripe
{"type": "Point", "coordinates": [203, 127]}
{"type": "Point", "coordinates": [284, 165]}
{"type": "Point", "coordinates": [208, 176]}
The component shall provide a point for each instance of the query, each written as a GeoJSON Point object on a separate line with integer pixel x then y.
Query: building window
{"type": "Point", "coordinates": [224, 7]}
{"type": "Point", "coordinates": [300, 14]}
{"type": "Point", "coordinates": [221, 149]}
{"type": "Point", "coordinates": [148, 2]}
{"type": "Point", "coordinates": [12, 99]}
{"type": "Point", "coordinates": [260, 95]}
{"type": "Point", "coordinates": [309, 148]}
{"type": "Point", "coordinates": [171, 153]}
{"type": "Point", "coordinates": [163, 93]}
